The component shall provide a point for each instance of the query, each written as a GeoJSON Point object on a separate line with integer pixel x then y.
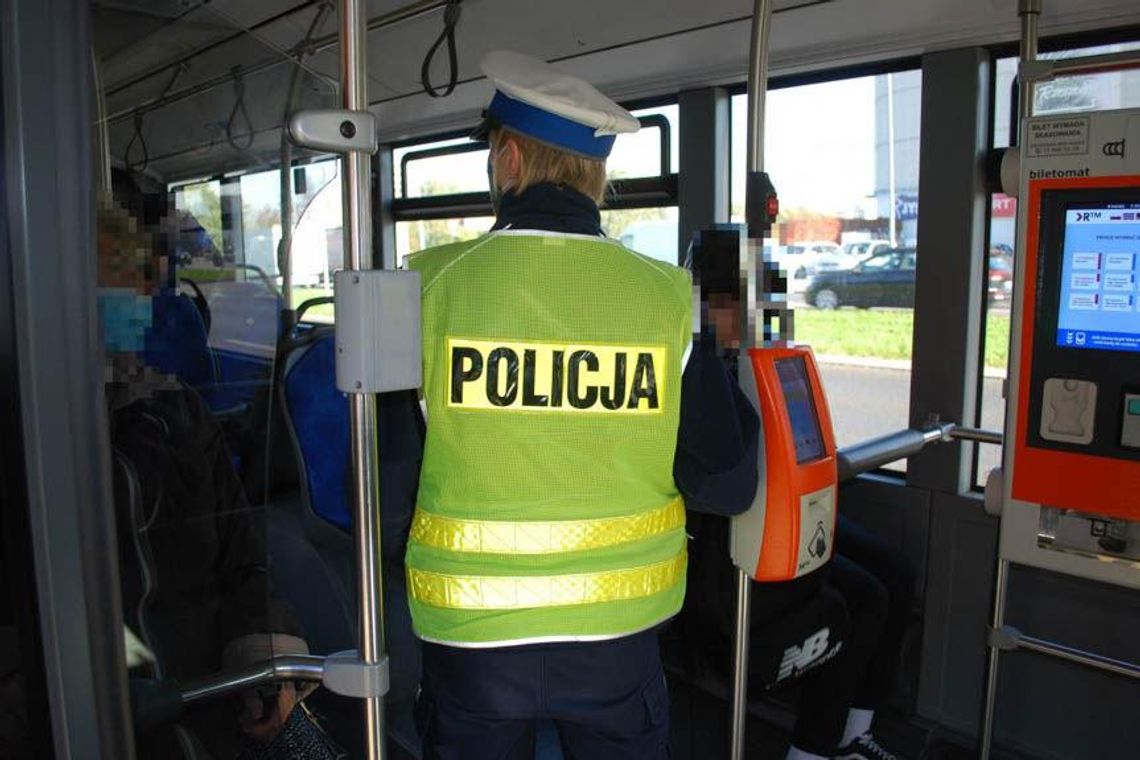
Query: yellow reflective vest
{"type": "Point", "coordinates": [547, 509]}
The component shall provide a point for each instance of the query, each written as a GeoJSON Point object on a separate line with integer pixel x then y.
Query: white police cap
{"type": "Point", "coordinates": [535, 99]}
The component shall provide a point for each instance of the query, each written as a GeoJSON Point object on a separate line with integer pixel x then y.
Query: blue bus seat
{"type": "Point", "coordinates": [177, 343]}
{"type": "Point", "coordinates": [316, 414]}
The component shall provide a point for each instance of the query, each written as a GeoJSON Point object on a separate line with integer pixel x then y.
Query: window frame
{"type": "Point", "coordinates": [655, 191]}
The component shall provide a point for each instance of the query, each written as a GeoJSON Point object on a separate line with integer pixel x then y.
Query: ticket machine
{"type": "Point", "coordinates": [1068, 492]}
{"type": "Point", "coordinates": [1071, 491]}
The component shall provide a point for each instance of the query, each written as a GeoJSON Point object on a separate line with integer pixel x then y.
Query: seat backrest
{"type": "Point", "coordinates": [318, 420]}
{"type": "Point", "coordinates": [176, 342]}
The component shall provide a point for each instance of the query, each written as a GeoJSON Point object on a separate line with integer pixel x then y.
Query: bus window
{"type": "Point", "coordinates": [649, 231]}
{"type": "Point", "coordinates": [412, 237]}
{"type": "Point", "coordinates": [843, 156]}
{"type": "Point", "coordinates": [457, 167]}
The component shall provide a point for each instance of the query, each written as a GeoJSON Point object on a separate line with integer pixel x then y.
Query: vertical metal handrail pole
{"type": "Point", "coordinates": [758, 83]}
{"type": "Point", "coordinates": [986, 735]}
{"type": "Point", "coordinates": [102, 137]}
{"type": "Point", "coordinates": [1030, 13]}
{"type": "Point", "coordinates": [740, 662]}
{"type": "Point", "coordinates": [753, 334]}
{"type": "Point", "coordinates": [362, 406]}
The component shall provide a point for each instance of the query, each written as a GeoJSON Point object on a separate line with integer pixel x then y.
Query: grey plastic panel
{"type": "Point", "coordinates": [334, 130]}
{"type": "Point", "coordinates": [898, 514]}
{"type": "Point", "coordinates": [960, 577]}
{"type": "Point", "coordinates": [378, 331]}
{"type": "Point", "coordinates": [346, 674]}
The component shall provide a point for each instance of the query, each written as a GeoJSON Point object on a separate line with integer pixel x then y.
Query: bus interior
{"type": "Point", "coordinates": [158, 131]}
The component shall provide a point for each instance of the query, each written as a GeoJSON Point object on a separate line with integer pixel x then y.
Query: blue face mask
{"type": "Point", "coordinates": [125, 316]}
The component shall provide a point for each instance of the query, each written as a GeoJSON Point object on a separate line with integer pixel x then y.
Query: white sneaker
{"type": "Point", "coordinates": [864, 748]}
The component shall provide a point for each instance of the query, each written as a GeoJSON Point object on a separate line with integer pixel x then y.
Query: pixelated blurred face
{"type": "Point", "coordinates": [128, 276]}
{"type": "Point", "coordinates": [724, 315]}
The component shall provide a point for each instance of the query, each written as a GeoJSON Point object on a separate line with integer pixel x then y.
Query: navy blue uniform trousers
{"type": "Point", "coordinates": [608, 700]}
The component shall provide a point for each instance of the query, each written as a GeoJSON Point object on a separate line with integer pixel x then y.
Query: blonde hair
{"type": "Point", "coordinates": [542, 163]}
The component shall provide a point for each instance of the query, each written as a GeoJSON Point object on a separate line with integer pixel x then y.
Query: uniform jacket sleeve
{"type": "Point", "coordinates": [717, 458]}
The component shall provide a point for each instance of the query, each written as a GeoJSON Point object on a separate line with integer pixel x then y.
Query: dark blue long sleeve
{"type": "Point", "coordinates": [716, 466]}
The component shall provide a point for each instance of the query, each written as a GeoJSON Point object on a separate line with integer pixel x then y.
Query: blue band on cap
{"type": "Point", "coordinates": [549, 128]}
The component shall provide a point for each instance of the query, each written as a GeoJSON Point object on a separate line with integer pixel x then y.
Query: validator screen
{"type": "Point", "coordinates": [1098, 306]}
{"type": "Point", "coordinates": [801, 409]}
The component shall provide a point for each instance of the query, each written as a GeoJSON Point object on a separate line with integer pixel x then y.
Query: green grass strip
{"type": "Point", "coordinates": [884, 334]}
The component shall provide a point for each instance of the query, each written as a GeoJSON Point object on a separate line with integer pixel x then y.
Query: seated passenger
{"type": "Point", "coordinates": [802, 623]}
{"type": "Point", "coordinates": [887, 583]}
{"type": "Point", "coordinates": [866, 589]}
{"type": "Point", "coordinates": [194, 575]}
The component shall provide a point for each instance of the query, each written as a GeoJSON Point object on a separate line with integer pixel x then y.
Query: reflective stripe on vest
{"type": "Point", "coordinates": [491, 592]}
{"type": "Point", "coordinates": [500, 537]}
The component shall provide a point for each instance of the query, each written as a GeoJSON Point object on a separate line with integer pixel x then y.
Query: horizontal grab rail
{"type": "Point", "coordinates": [280, 668]}
{"type": "Point", "coordinates": [869, 455]}
{"type": "Point", "coordinates": [976, 435]}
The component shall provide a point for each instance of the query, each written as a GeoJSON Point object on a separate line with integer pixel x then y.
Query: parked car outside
{"type": "Point", "coordinates": [1000, 284]}
{"type": "Point", "coordinates": [804, 259]}
{"type": "Point", "coordinates": [851, 254]}
{"type": "Point", "coordinates": [885, 279]}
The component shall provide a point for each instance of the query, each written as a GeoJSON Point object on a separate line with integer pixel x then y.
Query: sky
{"type": "Point", "coordinates": [819, 145]}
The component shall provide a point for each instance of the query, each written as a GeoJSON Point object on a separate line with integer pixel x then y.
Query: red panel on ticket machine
{"type": "Point", "coordinates": [790, 529]}
{"type": "Point", "coordinates": [1078, 400]}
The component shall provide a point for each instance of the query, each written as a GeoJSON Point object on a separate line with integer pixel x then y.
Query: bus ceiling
{"type": "Point", "coordinates": [197, 88]}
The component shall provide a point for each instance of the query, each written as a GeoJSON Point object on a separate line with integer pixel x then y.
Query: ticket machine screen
{"type": "Point", "coordinates": [806, 434]}
{"type": "Point", "coordinates": [1099, 307]}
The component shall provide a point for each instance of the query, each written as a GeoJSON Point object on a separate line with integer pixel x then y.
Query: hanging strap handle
{"type": "Point", "coordinates": [239, 105]}
{"type": "Point", "coordinates": [141, 165]}
{"type": "Point", "coordinates": [450, 20]}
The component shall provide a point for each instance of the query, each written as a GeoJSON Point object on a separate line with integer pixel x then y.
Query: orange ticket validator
{"type": "Point", "coordinates": [790, 529]}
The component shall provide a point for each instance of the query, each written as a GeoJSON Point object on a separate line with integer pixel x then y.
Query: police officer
{"type": "Point", "coordinates": [568, 421]}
